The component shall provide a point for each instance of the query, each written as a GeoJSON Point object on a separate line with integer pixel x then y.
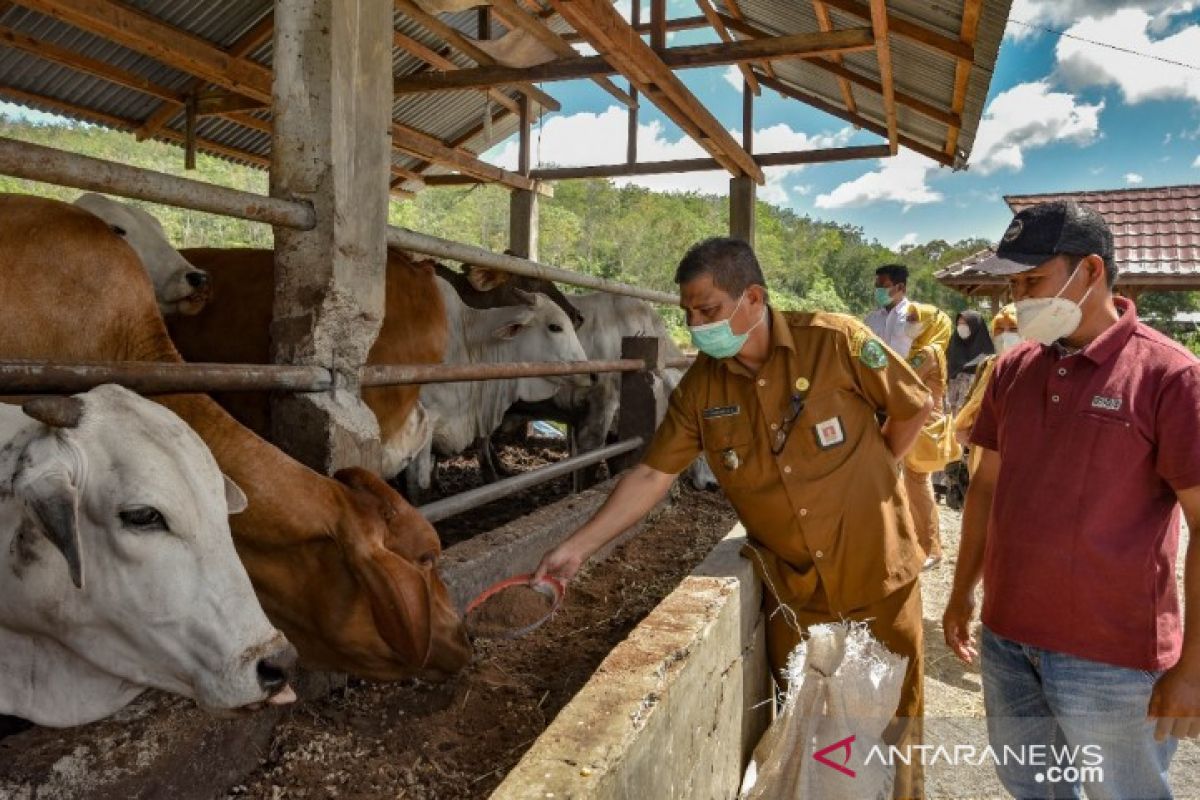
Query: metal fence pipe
{"type": "Point", "coordinates": [449, 506]}
{"type": "Point", "coordinates": [405, 374]}
{"type": "Point", "coordinates": [406, 239]}
{"type": "Point", "coordinates": [48, 165]}
{"type": "Point", "coordinates": [153, 377]}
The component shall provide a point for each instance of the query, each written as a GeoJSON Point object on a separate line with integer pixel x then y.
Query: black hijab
{"type": "Point", "coordinates": [962, 351]}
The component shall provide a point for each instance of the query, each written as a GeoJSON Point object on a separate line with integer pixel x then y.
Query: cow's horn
{"type": "Point", "coordinates": [57, 412]}
{"type": "Point", "coordinates": [528, 298]}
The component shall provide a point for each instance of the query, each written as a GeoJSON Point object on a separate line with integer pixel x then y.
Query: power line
{"type": "Point", "coordinates": [1118, 48]}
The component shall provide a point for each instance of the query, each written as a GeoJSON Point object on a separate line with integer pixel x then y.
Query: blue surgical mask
{"type": "Point", "coordinates": [717, 339]}
{"type": "Point", "coordinates": [882, 298]}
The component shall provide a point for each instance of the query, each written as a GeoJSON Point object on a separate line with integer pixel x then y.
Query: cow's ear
{"type": "Point", "coordinates": [518, 322]}
{"type": "Point", "coordinates": [53, 504]}
{"type": "Point", "coordinates": [235, 498]}
{"type": "Point", "coordinates": [483, 279]}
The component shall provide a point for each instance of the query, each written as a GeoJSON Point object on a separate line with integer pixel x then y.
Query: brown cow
{"type": "Point", "coordinates": [234, 328]}
{"type": "Point", "coordinates": [344, 566]}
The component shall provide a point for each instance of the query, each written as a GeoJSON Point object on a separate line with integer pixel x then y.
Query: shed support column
{"type": "Point", "coordinates": [332, 106]}
{"type": "Point", "coordinates": [742, 195]}
{"type": "Point", "coordinates": [523, 224]}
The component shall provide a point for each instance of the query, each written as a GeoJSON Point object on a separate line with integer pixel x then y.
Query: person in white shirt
{"type": "Point", "coordinates": [890, 320]}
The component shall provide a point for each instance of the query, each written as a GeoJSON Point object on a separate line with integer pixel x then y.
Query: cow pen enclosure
{"type": "Point", "coordinates": [651, 680]}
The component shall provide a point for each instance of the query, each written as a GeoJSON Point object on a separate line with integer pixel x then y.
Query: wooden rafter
{"type": "Point", "coordinates": [826, 24]}
{"type": "Point", "coordinates": [456, 39]}
{"type": "Point", "coordinates": [798, 45]}
{"type": "Point", "coordinates": [251, 40]}
{"type": "Point", "coordinates": [844, 73]}
{"type": "Point", "coordinates": [787, 90]}
{"type": "Point", "coordinates": [962, 71]}
{"type": "Point", "coordinates": [119, 123]}
{"type": "Point", "coordinates": [155, 39]}
{"type": "Point", "coordinates": [427, 147]}
{"type": "Point", "coordinates": [670, 26]}
{"type": "Point", "coordinates": [710, 14]}
{"type": "Point", "coordinates": [883, 53]}
{"type": "Point", "coordinates": [735, 11]}
{"type": "Point", "coordinates": [515, 17]}
{"type": "Point", "coordinates": [440, 62]}
{"type": "Point", "coordinates": [612, 36]}
{"type": "Point", "coordinates": [909, 30]}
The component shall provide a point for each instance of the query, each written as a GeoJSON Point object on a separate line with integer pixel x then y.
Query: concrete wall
{"type": "Point", "coordinates": [675, 710]}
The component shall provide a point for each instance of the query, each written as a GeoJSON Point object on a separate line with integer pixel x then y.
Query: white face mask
{"type": "Point", "coordinates": [964, 331]}
{"type": "Point", "coordinates": [1007, 341]}
{"type": "Point", "coordinates": [1047, 319]}
{"type": "Point", "coordinates": [913, 329]}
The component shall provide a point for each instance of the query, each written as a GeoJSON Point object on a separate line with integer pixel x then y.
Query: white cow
{"type": "Point", "coordinates": [180, 287]}
{"type": "Point", "coordinates": [608, 318]}
{"type": "Point", "coordinates": [117, 566]}
{"type": "Point", "coordinates": [463, 414]}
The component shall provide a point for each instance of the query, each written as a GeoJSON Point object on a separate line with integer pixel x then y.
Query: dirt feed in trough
{"type": "Point", "coordinates": [457, 740]}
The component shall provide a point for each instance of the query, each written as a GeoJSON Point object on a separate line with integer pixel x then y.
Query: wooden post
{"type": "Point", "coordinates": [332, 98]}
{"type": "Point", "coordinates": [742, 197]}
{"type": "Point", "coordinates": [523, 204]}
{"type": "Point", "coordinates": [641, 408]}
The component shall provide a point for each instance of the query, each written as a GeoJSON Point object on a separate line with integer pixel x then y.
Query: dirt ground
{"type": "Point", "coordinates": [458, 740]}
{"type": "Point", "coordinates": [954, 695]}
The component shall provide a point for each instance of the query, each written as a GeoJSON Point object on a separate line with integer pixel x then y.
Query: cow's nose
{"type": "Point", "coordinates": [275, 670]}
{"type": "Point", "coordinates": [594, 378]}
{"type": "Point", "coordinates": [197, 279]}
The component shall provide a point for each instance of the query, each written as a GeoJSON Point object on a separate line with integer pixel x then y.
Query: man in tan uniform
{"type": "Point", "coordinates": [784, 407]}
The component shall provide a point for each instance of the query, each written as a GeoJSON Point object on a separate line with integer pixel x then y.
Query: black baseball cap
{"type": "Point", "coordinates": [1041, 232]}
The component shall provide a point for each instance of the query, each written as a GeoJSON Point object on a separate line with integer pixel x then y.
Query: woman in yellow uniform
{"type": "Point", "coordinates": [931, 329]}
{"type": "Point", "coordinates": [1004, 334]}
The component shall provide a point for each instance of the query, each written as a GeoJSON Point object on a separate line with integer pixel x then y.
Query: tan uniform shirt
{"type": "Point", "coordinates": [828, 511]}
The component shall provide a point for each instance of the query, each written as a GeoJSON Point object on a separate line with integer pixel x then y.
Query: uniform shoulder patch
{"type": "Point", "coordinates": [917, 360]}
{"type": "Point", "coordinates": [873, 354]}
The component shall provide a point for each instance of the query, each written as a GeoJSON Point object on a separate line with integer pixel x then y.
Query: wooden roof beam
{"type": "Point", "coordinates": [909, 30]}
{"type": "Point", "coordinates": [826, 24]}
{"type": "Point", "coordinates": [427, 147]}
{"type": "Point", "coordinates": [800, 45]}
{"type": "Point", "coordinates": [670, 26]}
{"type": "Point", "coordinates": [119, 123]}
{"type": "Point", "coordinates": [883, 52]}
{"type": "Point", "coordinates": [440, 62]}
{"type": "Point", "coordinates": [248, 42]}
{"type": "Point", "coordinates": [456, 39]}
{"type": "Point", "coordinates": [515, 17]}
{"type": "Point", "coordinates": [710, 14]}
{"type": "Point", "coordinates": [787, 90]}
{"type": "Point", "coordinates": [142, 33]}
{"type": "Point", "coordinates": [735, 11]}
{"type": "Point", "coordinates": [962, 71]}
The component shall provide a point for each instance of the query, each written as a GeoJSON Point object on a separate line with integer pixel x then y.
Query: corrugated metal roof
{"type": "Point", "coordinates": [459, 116]}
{"type": "Point", "coordinates": [1156, 235]}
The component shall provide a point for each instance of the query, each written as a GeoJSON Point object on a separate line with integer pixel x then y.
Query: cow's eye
{"type": "Point", "coordinates": [556, 328]}
{"type": "Point", "coordinates": [144, 518]}
{"type": "Point", "coordinates": [117, 229]}
{"type": "Point", "coordinates": [428, 560]}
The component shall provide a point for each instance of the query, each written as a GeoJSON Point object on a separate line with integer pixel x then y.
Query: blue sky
{"type": "Point", "coordinates": [1061, 114]}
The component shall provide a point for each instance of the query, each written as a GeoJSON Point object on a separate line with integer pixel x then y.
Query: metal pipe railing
{"type": "Point", "coordinates": [49, 165]}
{"type": "Point", "coordinates": [473, 498]}
{"type": "Point", "coordinates": [154, 377]}
{"type": "Point", "coordinates": [406, 239]}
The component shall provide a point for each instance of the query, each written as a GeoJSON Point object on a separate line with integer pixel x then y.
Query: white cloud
{"type": "Point", "coordinates": [899, 179]}
{"type": "Point", "coordinates": [1027, 116]}
{"type": "Point", "coordinates": [907, 240]}
{"type": "Point", "coordinates": [586, 138]}
{"type": "Point", "coordinates": [1057, 13]}
{"type": "Point", "coordinates": [1081, 64]}
{"type": "Point", "coordinates": [1133, 179]}
{"type": "Point", "coordinates": [733, 76]}
{"type": "Point", "coordinates": [1196, 163]}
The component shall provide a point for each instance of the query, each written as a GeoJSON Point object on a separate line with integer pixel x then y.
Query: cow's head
{"type": "Point", "coordinates": [485, 279]}
{"type": "Point", "coordinates": [180, 287]}
{"type": "Point", "coordinates": [537, 330]}
{"type": "Point", "coordinates": [127, 557]}
{"type": "Point", "coordinates": [394, 552]}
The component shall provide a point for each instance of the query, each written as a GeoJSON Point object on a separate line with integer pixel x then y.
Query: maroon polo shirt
{"type": "Point", "coordinates": [1084, 528]}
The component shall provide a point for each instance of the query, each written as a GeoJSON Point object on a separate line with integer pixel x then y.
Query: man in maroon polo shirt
{"type": "Point", "coordinates": [1090, 434]}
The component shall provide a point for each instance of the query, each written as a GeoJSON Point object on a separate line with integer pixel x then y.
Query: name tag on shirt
{"type": "Point", "coordinates": [1106, 403]}
{"type": "Point", "coordinates": [830, 433]}
{"type": "Point", "coordinates": [721, 411]}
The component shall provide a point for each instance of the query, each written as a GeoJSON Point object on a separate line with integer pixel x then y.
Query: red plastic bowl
{"type": "Point", "coordinates": [556, 588]}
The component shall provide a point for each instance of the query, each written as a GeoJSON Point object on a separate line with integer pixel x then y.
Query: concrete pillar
{"type": "Point", "coordinates": [331, 146]}
{"type": "Point", "coordinates": [743, 192]}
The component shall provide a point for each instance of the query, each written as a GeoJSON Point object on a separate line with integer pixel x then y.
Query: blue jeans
{"type": "Point", "coordinates": [1084, 714]}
